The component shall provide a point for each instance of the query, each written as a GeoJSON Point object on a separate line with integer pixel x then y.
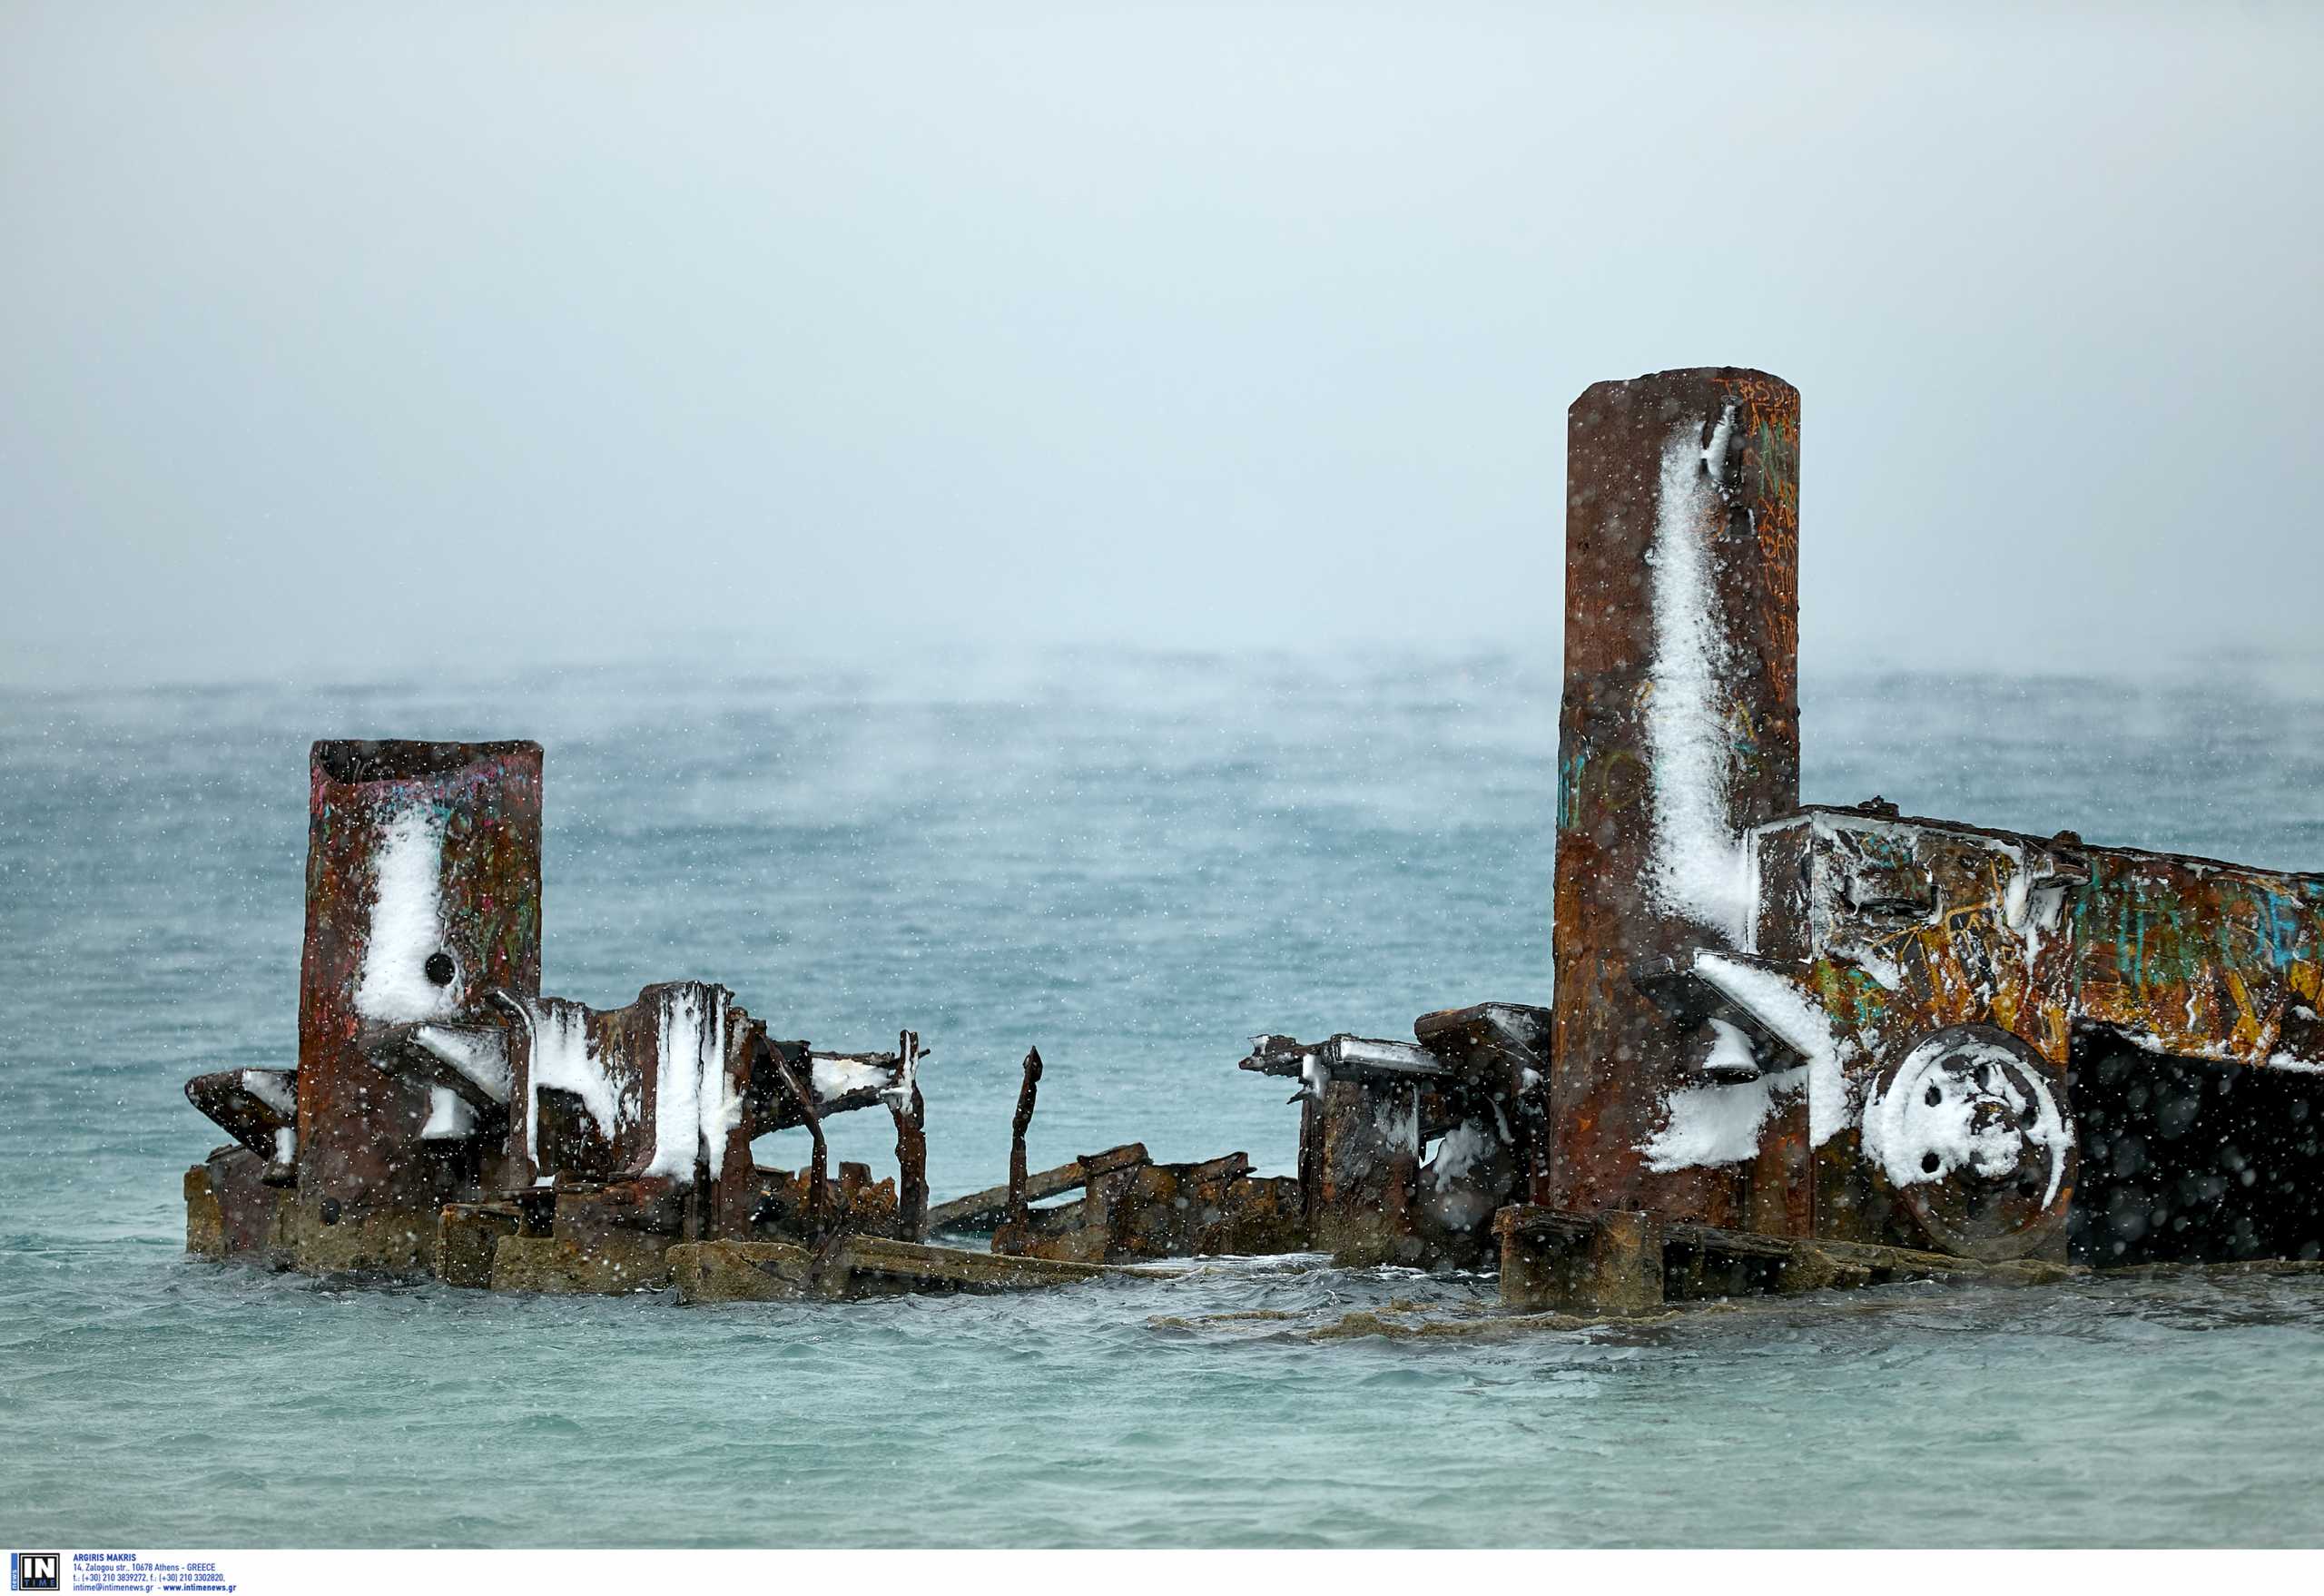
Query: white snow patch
{"type": "Point", "coordinates": [692, 1109]}
{"type": "Point", "coordinates": [2048, 904]}
{"type": "Point", "coordinates": [1464, 1186]}
{"type": "Point", "coordinates": [480, 1055]}
{"type": "Point", "coordinates": [1731, 1049]}
{"type": "Point", "coordinates": [1400, 1128]}
{"type": "Point", "coordinates": [286, 1145]}
{"type": "Point", "coordinates": [565, 1057]}
{"type": "Point", "coordinates": [2021, 882]}
{"type": "Point", "coordinates": [1699, 867]}
{"type": "Point", "coordinates": [407, 922]}
{"type": "Point", "coordinates": [2030, 911]}
{"type": "Point", "coordinates": [1715, 452]}
{"type": "Point", "coordinates": [1315, 1075]}
{"type": "Point", "coordinates": [831, 1076]}
{"type": "Point", "coordinates": [273, 1089]}
{"type": "Point", "coordinates": [448, 1119]}
{"type": "Point", "coordinates": [1877, 965]}
{"type": "Point", "coordinates": [1404, 1056]}
{"type": "Point", "coordinates": [897, 1096]}
{"type": "Point", "coordinates": [1712, 1125]}
{"type": "Point", "coordinates": [2283, 1060]}
{"type": "Point", "coordinates": [2189, 1048]}
{"type": "Point", "coordinates": [1460, 1150]}
{"type": "Point", "coordinates": [1801, 1024]}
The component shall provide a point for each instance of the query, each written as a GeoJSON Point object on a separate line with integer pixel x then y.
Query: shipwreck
{"type": "Point", "coordinates": [1786, 1046]}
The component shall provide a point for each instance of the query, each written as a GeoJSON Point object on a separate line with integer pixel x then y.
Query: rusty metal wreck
{"type": "Point", "coordinates": [1787, 1046]}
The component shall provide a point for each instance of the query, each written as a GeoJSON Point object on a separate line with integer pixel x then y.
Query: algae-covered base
{"type": "Point", "coordinates": [487, 1247]}
{"type": "Point", "coordinates": [775, 1271]}
{"type": "Point", "coordinates": [1559, 1270]}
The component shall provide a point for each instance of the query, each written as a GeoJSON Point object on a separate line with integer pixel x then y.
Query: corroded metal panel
{"type": "Point", "coordinates": [2200, 959]}
{"type": "Point", "coordinates": [657, 1093]}
{"type": "Point", "coordinates": [1939, 976]}
{"type": "Point", "coordinates": [1898, 935]}
{"type": "Point", "coordinates": [1407, 1148]}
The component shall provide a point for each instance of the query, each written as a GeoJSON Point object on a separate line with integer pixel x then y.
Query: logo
{"type": "Point", "coordinates": [34, 1570]}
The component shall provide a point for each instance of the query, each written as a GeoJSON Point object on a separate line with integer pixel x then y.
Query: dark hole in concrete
{"type": "Point", "coordinates": [438, 968]}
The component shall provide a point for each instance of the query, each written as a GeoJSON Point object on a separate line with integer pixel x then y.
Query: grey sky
{"type": "Point", "coordinates": [349, 338]}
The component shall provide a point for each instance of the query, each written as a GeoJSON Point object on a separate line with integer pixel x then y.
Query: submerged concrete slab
{"type": "Point", "coordinates": [775, 1271]}
{"type": "Point", "coordinates": [611, 1267]}
{"type": "Point", "coordinates": [740, 1271]}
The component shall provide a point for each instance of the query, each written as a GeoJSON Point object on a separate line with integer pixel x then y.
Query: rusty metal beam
{"type": "Point", "coordinates": [1020, 1202]}
{"type": "Point", "coordinates": [818, 1190]}
{"type": "Point", "coordinates": [992, 1202]}
{"type": "Point", "coordinates": [912, 1144]}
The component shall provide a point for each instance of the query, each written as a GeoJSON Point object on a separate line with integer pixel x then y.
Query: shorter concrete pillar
{"type": "Point", "coordinates": [1597, 1264]}
{"type": "Point", "coordinates": [467, 1235]}
{"type": "Point", "coordinates": [1624, 1272]}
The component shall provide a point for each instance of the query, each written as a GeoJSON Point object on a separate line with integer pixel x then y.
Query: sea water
{"type": "Point", "coordinates": [1136, 862]}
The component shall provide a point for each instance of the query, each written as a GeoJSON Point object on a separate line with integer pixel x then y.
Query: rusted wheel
{"type": "Point", "coordinates": [1969, 1129]}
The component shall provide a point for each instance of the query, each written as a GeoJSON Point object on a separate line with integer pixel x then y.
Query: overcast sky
{"type": "Point", "coordinates": [341, 340]}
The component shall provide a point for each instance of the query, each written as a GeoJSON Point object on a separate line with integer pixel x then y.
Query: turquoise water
{"type": "Point", "coordinates": [1133, 863]}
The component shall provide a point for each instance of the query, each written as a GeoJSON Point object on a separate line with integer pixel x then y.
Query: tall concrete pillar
{"type": "Point", "coordinates": [1680, 727]}
{"type": "Point", "coordinates": [423, 895]}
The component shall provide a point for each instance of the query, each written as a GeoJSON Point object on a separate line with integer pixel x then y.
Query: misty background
{"type": "Point", "coordinates": [345, 341]}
